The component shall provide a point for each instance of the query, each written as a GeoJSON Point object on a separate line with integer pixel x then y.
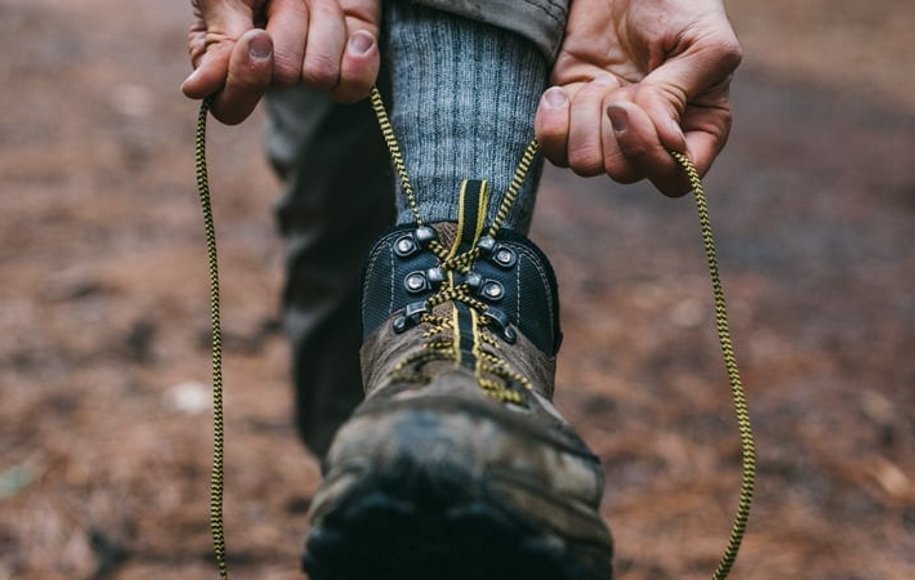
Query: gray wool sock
{"type": "Point", "coordinates": [464, 97]}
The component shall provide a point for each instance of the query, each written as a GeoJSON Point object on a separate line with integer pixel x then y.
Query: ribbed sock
{"type": "Point", "coordinates": [464, 96]}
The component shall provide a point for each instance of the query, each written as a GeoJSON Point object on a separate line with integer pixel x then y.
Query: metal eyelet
{"type": "Point", "coordinates": [500, 254]}
{"type": "Point", "coordinates": [411, 316]}
{"type": "Point", "coordinates": [415, 282]}
{"type": "Point", "coordinates": [510, 335]}
{"type": "Point", "coordinates": [501, 321]}
{"type": "Point", "coordinates": [409, 244]}
{"type": "Point", "coordinates": [415, 309]}
{"type": "Point", "coordinates": [400, 324]}
{"type": "Point", "coordinates": [405, 246]}
{"type": "Point", "coordinates": [493, 290]}
{"type": "Point", "coordinates": [505, 256]}
{"type": "Point", "coordinates": [423, 235]}
{"type": "Point", "coordinates": [473, 280]}
{"type": "Point", "coordinates": [435, 276]}
{"type": "Point", "coordinates": [487, 245]}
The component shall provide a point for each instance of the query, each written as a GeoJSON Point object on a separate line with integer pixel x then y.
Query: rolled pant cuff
{"type": "Point", "coordinates": [540, 21]}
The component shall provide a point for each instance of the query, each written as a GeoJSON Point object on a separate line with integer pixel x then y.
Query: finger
{"type": "Point", "coordinates": [359, 68]}
{"type": "Point", "coordinates": [211, 41]}
{"type": "Point", "coordinates": [250, 71]}
{"type": "Point", "coordinates": [616, 166]}
{"type": "Point", "coordinates": [703, 149]}
{"type": "Point", "coordinates": [707, 125]}
{"type": "Point", "coordinates": [664, 115]}
{"type": "Point", "coordinates": [551, 125]}
{"type": "Point", "coordinates": [584, 144]}
{"type": "Point", "coordinates": [324, 47]}
{"type": "Point", "coordinates": [210, 74]}
{"type": "Point", "coordinates": [642, 149]}
{"type": "Point", "coordinates": [708, 62]}
{"type": "Point", "coordinates": [287, 23]}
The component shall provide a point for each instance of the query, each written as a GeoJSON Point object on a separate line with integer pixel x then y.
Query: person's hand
{"type": "Point", "coordinates": [239, 48]}
{"type": "Point", "coordinates": [634, 79]}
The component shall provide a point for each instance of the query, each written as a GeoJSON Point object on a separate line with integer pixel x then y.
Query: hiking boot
{"type": "Point", "coordinates": [457, 465]}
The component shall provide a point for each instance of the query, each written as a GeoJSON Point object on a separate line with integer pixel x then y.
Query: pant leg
{"type": "Point", "coordinates": [540, 21]}
{"type": "Point", "coordinates": [337, 198]}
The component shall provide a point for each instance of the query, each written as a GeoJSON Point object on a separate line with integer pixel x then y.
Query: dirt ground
{"type": "Point", "coordinates": [104, 413]}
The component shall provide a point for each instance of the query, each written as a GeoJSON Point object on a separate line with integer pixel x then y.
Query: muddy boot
{"type": "Point", "coordinates": [457, 465]}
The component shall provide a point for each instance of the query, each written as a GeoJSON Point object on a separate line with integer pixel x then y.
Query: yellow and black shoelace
{"type": "Point", "coordinates": [745, 429]}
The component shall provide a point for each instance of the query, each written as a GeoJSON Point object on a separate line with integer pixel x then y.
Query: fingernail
{"type": "Point", "coordinates": [619, 118]}
{"type": "Point", "coordinates": [677, 130]}
{"type": "Point", "coordinates": [555, 97]}
{"type": "Point", "coordinates": [361, 43]}
{"type": "Point", "coordinates": [260, 48]}
{"type": "Point", "coordinates": [191, 76]}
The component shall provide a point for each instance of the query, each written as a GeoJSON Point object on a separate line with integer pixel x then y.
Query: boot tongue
{"type": "Point", "coordinates": [473, 200]}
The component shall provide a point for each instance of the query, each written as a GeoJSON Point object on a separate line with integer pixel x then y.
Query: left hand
{"type": "Point", "coordinates": [239, 48]}
{"type": "Point", "coordinates": [635, 79]}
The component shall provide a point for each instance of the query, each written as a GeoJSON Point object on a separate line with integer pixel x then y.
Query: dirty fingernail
{"type": "Point", "coordinates": [619, 118]}
{"type": "Point", "coordinates": [361, 43]}
{"type": "Point", "coordinates": [555, 97]}
{"type": "Point", "coordinates": [260, 48]}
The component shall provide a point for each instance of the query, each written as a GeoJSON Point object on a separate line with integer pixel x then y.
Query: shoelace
{"type": "Point", "coordinates": [744, 425]}
{"type": "Point", "coordinates": [439, 336]}
{"type": "Point", "coordinates": [436, 346]}
{"type": "Point", "coordinates": [217, 481]}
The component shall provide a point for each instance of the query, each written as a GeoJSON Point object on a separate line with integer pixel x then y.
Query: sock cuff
{"type": "Point", "coordinates": [464, 99]}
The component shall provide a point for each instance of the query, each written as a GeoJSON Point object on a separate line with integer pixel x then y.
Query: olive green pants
{"type": "Point", "coordinates": [338, 196]}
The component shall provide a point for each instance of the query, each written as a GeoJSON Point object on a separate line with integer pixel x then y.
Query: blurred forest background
{"type": "Point", "coordinates": [104, 407]}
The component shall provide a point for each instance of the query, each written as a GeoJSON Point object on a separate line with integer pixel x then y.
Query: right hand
{"type": "Point", "coordinates": [635, 79]}
{"type": "Point", "coordinates": [239, 48]}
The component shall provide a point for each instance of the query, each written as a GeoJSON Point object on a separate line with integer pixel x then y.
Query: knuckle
{"type": "Point", "coordinates": [634, 149]}
{"type": "Point", "coordinates": [228, 116]}
{"type": "Point", "coordinates": [248, 81]}
{"type": "Point", "coordinates": [585, 155]}
{"type": "Point", "coordinates": [591, 93]}
{"type": "Point", "coordinates": [553, 145]}
{"type": "Point", "coordinates": [320, 72]}
{"type": "Point", "coordinates": [627, 178]}
{"type": "Point", "coordinates": [585, 164]}
{"type": "Point", "coordinates": [729, 51]}
{"type": "Point", "coordinates": [622, 173]}
{"type": "Point", "coordinates": [286, 74]}
{"type": "Point", "coordinates": [585, 171]}
{"type": "Point", "coordinates": [721, 139]}
{"type": "Point", "coordinates": [673, 187]}
{"type": "Point", "coordinates": [727, 119]}
{"type": "Point", "coordinates": [550, 134]}
{"type": "Point", "coordinates": [557, 158]}
{"type": "Point", "coordinates": [351, 93]}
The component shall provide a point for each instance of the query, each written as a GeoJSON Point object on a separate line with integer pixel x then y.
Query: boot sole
{"type": "Point", "coordinates": [423, 515]}
{"type": "Point", "coordinates": [409, 525]}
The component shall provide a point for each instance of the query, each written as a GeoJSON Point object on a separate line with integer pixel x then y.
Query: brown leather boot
{"type": "Point", "coordinates": [457, 465]}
